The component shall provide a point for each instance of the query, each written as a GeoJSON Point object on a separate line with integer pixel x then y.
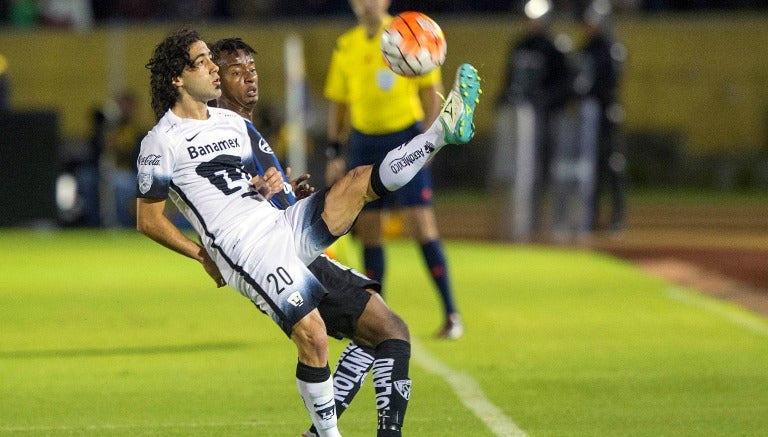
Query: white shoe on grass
{"type": "Point", "coordinates": [309, 433]}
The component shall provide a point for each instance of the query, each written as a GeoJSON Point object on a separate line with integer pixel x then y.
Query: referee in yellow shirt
{"type": "Point", "coordinates": [374, 108]}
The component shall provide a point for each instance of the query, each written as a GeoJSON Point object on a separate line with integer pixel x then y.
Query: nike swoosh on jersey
{"type": "Point", "coordinates": [192, 137]}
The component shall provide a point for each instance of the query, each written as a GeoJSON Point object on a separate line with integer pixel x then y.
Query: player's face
{"type": "Point", "coordinates": [201, 81]}
{"type": "Point", "coordinates": [239, 80]}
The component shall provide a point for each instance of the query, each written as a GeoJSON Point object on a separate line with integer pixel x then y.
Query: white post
{"type": "Point", "coordinates": [296, 105]}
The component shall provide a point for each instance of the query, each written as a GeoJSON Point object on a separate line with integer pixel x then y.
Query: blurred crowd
{"type": "Point", "coordinates": [573, 156]}
{"type": "Point", "coordinates": [558, 123]}
{"type": "Point", "coordinates": [104, 173]}
{"type": "Point", "coordinates": [83, 14]}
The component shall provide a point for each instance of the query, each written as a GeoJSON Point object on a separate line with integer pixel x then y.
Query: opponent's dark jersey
{"type": "Point", "coordinates": [537, 72]}
{"type": "Point", "coordinates": [600, 68]}
{"type": "Point", "coordinates": [264, 158]}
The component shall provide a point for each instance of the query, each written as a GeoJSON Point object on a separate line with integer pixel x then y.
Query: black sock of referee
{"type": "Point", "coordinates": [392, 385]}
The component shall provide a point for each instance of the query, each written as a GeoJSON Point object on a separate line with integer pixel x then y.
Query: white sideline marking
{"type": "Point", "coordinates": [469, 392]}
{"type": "Point", "coordinates": [744, 319]}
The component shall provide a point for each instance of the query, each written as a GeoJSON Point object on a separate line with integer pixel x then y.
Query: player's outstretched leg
{"type": "Point", "coordinates": [459, 107]}
{"type": "Point", "coordinates": [454, 125]}
{"type": "Point", "coordinates": [362, 184]}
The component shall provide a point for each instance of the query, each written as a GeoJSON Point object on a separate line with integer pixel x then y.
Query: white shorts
{"type": "Point", "coordinates": [269, 265]}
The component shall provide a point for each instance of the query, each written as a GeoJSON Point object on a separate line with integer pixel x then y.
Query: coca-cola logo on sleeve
{"type": "Point", "coordinates": [151, 159]}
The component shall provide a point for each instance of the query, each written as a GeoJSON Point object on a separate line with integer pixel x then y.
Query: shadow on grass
{"type": "Point", "coordinates": [137, 350]}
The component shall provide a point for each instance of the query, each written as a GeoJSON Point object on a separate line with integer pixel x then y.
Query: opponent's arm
{"type": "Point", "coordinates": [301, 188]}
{"type": "Point", "coordinates": [151, 222]}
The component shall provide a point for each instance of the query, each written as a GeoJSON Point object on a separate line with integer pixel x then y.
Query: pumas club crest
{"type": "Point", "coordinates": [145, 182]}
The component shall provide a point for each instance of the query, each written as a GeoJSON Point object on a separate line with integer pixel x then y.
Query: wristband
{"type": "Point", "coordinates": [333, 150]}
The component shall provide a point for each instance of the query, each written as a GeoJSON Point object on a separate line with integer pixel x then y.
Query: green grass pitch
{"type": "Point", "coordinates": [108, 333]}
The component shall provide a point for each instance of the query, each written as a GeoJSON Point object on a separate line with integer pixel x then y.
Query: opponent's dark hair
{"type": "Point", "coordinates": [168, 61]}
{"type": "Point", "coordinates": [229, 45]}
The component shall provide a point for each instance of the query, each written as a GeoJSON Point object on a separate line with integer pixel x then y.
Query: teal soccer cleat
{"type": "Point", "coordinates": [459, 107]}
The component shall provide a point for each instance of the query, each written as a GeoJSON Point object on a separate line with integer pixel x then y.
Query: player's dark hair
{"type": "Point", "coordinates": [168, 61]}
{"type": "Point", "coordinates": [229, 45]}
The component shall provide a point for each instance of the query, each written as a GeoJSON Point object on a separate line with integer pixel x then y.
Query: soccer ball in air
{"type": "Point", "coordinates": [413, 44]}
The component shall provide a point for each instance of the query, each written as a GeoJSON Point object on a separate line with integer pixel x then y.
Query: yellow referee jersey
{"type": "Point", "coordinates": [380, 101]}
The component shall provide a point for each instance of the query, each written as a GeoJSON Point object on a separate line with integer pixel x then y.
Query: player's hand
{"type": "Point", "coordinates": [301, 189]}
{"type": "Point", "coordinates": [335, 169]}
{"type": "Point", "coordinates": [212, 270]}
{"type": "Point", "coordinates": [268, 184]}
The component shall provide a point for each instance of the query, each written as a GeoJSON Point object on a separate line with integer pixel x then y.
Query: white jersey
{"type": "Point", "coordinates": [205, 168]}
{"type": "Point", "coordinates": [200, 165]}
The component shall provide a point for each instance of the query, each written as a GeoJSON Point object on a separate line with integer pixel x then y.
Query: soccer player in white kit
{"type": "Point", "coordinates": [353, 308]}
{"type": "Point", "coordinates": [197, 156]}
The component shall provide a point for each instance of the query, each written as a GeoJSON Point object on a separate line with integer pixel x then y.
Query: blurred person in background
{"type": "Point", "coordinates": [67, 14]}
{"type": "Point", "coordinates": [604, 161]}
{"type": "Point", "coordinates": [122, 136]}
{"type": "Point", "coordinates": [5, 85]}
{"type": "Point", "coordinates": [535, 92]}
{"type": "Point", "coordinates": [379, 108]}
{"type": "Point", "coordinates": [87, 174]}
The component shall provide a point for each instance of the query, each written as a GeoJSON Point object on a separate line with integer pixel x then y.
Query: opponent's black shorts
{"type": "Point", "coordinates": [346, 298]}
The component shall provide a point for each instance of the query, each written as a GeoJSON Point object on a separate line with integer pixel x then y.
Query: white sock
{"type": "Point", "coordinates": [400, 165]}
{"type": "Point", "coordinates": [318, 398]}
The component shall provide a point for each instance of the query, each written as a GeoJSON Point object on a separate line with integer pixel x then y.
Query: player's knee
{"type": "Point", "coordinates": [345, 199]}
{"type": "Point", "coordinates": [309, 329]}
{"type": "Point", "coordinates": [311, 339]}
{"type": "Point", "coordinates": [362, 172]}
{"type": "Point", "coordinates": [393, 328]}
{"type": "Point", "coordinates": [379, 323]}
{"type": "Point", "coordinates": [358, 181]}
{"type": "Point", "coordinates": [398, 327]}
